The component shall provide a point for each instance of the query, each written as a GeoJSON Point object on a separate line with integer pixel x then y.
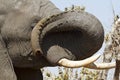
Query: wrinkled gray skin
{"type": "Point", "coordinates": [17, 18]}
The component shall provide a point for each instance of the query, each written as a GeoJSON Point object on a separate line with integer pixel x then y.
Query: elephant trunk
{"type": "Point", "coordinates": [72, 35]}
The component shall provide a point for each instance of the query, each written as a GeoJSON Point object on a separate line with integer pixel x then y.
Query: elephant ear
{"type": "Point", "coordinates": [72, 35]}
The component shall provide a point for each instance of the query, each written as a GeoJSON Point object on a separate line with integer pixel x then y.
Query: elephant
{"type": "Point", "coordinates": [36, 34]}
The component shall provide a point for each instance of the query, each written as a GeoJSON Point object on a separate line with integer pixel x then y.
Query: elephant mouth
{"type": "Point", "coordinates": [68, 38]}
{"type": "Point", "coordinates": [76, 35]}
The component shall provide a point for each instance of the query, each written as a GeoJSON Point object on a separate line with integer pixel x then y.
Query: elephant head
{"type": "Point", "coordinates": [65, 38]}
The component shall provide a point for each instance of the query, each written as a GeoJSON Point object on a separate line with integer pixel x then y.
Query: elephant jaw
{"type": "Point", "coordinates": [45, 26]}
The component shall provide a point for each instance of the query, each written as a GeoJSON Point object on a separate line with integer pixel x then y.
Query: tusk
{"type": "Point", "coordinates": [101, 65]}
{"type": "Point", "coordinates": [76, 64]}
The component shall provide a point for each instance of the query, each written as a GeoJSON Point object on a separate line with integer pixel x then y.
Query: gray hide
{"type": "Point", "coordinates": [17, 18]}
